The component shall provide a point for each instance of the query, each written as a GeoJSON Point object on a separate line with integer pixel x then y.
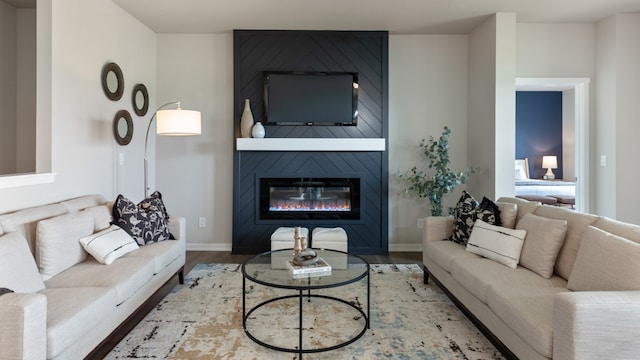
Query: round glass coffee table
{"type": "Point", "coordinates": [270, 269]}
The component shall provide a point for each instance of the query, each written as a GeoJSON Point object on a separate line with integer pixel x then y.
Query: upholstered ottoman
{"type": "Point", "coordinates": [282, 238]}
{"type": "Point", "coordinates": [333, 239]}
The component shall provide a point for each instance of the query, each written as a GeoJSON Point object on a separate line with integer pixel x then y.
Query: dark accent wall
{"type": "Point", "coordinates": [539, 129]}
{"type": "Point", "coordinates": [364, 52]}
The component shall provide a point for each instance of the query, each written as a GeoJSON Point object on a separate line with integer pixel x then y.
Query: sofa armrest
{"type": "Point", "coordinates": [437, 228]}
{"type": "Point", "coordinates": [23, 326]}
{"type": "Point", "coordinates": [596, 325]}
{"type": "Point", "coordinates": [178, 227]}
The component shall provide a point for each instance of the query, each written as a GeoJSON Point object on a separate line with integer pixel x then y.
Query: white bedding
{"type": "Point", "coordinates": [545, 187]}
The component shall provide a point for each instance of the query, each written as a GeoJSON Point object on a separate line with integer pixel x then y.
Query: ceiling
{"type": "Point", "coordinates": [396, 16]}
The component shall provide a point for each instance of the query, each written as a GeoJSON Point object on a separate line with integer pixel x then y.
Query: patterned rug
{"type": "Point", "coordinates": [202, 319]}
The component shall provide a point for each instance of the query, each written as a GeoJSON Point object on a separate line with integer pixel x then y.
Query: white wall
{"type": "Point", "coordinates": [8, 79]}
{"type": "Point", "coordinates": [618, 109]}
{"type": "Point", "coordinates": [84, 36]}
{"type": "Point", "coordinates": [427, 90]}
{"type": "Point", "coordinates": [194, 174]}
{"type": "Point", "coordinates": [26, 92]}
{"type": "Point", "coordinates": [481, 108]}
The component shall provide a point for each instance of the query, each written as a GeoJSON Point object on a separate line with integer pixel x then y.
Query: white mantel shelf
{"type": "Point", "coordinates": [311, 144]}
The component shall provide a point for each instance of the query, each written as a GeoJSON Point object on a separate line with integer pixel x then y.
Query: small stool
{"type": "Point", "coordinates": [333, 239]}
{"type": "Point", "coordinates": [282, 238]}
{"type": "Point", "coordinates": [546, 200]}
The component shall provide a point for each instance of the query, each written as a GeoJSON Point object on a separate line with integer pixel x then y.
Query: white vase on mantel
{"type": "Point", "coordinates": [258, 130]}
{"type": "Point", "coordinates": [246, 121]}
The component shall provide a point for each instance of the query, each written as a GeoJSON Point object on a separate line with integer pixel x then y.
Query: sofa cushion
{"type": "Point", "coordinates": [605, 262]}
{"type": "Point", "coordinates": [18, 269]}
{"type": "Point", "coordinates": [25, 221]}
{"type": "Point", "coordinates": [508, 214]}
{"type": "Point", "coordinates": [442, 252]}
{"type": "Point", "coordinates": [57, 246]}
{"type": "Point", "coordinates": [544, 238]}
{"type": "Point", "coordinates": [479, 274]}
{"type": "Point", "coordinates": [496, 243]}
{"type": "Point", "coordinates": [109, 244]}
{"type": "Point", "coordinates": [71, 310]}
{"type": "Point", "coordinates": [125, 275]}
{"type": "Point", "coordinates": [162, 253]}
{"type": "Point", "coordinates": [101, 216]}
{"type": "Point", "coordinates": [528, 311]}
{"type": "Point", "coordinates": [145, 222]}
{"type": "Point", "coordinates": [83, 202]}
{"type": "Point", "coordinates": [615, 227]}
{"type": "Point", "coordinates": [524, 206]}
{"type": "Point", "coordinates": [576, 225]}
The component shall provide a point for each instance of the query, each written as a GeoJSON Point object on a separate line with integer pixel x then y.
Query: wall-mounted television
{"type": "Point", "coordinates": [310, 98]}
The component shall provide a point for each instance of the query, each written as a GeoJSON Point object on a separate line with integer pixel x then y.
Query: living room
{"type": "Point", "coordinates": [434, 80]}
{"type": "Point", "coordinates": [462, 76]}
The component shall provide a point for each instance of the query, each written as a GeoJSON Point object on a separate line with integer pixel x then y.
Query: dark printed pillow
{"type": "Point", "coordinates": [463, 218]}
{"type": "Point", "coordinates": [5, 291]}
{"type": "Point", "coordinates": [145, 222]}
{"type": "Point", "coordinates": [488, 212]}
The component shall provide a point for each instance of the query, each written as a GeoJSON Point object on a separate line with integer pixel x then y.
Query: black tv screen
{"type": "Point", "coordinates": [310, 98]}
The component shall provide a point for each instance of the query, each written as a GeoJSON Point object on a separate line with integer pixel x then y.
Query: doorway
{"type": "Point", "coordinates": [576, 110]}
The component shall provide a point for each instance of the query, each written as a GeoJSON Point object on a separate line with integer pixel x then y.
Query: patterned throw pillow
{"type": "Point", "coordinates": [466, 213]}
{"type": "Point", "coordinates": [463, 218]}
{"type": "Point", "coordinates": [145, 222]}
{"type": "Point", "coordinates": [5, 291]}
{"type": "Point", "coordinates": [488, 212]}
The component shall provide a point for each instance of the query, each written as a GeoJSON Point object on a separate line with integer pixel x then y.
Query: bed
{"type": "Point", "coordinates": [538, 187]}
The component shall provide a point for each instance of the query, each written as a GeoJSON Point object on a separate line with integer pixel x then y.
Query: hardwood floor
{"type": "Point", "coordinates": [225, 257]}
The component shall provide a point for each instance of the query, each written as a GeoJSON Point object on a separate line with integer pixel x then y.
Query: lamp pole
{"type": "Point", "coordinates": [146, 141]}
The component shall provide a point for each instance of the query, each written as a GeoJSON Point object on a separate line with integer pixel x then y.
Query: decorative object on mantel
{"type": "Point", "coordinates": [258, 130]}
{"type": "Point", "coordinates": [112, 81]}
{"type": "Point", "coordinates": [176, 122]}
{"type": "Point", "coordinates": [123, 127]}
{"type": "Point", "coordinates": [437, 180]}
{"type": "Point", "coordinates": [246, 122]}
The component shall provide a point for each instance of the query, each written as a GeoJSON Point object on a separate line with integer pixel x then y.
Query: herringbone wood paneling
{"type": "Point", "coordinates": [361, 52]}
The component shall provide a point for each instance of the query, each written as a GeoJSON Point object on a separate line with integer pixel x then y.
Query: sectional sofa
{"type": "Point", "coordinates": [67, 305]}
{"type": "Point", "coordinates": [579, 299]}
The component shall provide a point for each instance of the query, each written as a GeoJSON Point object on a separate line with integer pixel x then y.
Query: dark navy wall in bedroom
{"type": "Point", "coordinates": [539, 129]}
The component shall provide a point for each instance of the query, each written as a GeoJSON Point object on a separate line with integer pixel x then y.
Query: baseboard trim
{"type": "Point", "coordinates": [405, 247]}
{"type": "Point", "coordinates": [207, 247]}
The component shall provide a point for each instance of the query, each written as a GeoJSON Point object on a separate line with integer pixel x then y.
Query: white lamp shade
{"type": "Point", "coordinates": [549, 162]}
{"type": "Point", "coordinates": [178, 122]}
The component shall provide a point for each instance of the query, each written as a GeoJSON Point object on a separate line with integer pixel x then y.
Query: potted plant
{"type": "Point", "coordinates": [437, 179]}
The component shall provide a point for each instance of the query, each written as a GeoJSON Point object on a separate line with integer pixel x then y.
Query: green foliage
{"type": "Point", "coordinates": [437, 179]}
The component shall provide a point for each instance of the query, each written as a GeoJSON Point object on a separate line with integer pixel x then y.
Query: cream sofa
{"type": "Point", "coordinates": [531, 317]}
{"type": "Point", "coordinates": [85, 307]}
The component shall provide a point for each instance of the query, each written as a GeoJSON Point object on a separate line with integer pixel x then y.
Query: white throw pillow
{"type": "Point", "coordinates": [605, 262]}
{"type": "Point", "coordinates": [18, 269]}
{"type": "Point", "coordinates": [496, 243]}
{"type": "Point", "coordinates": [57, 247]}
{"type": "Point", "coordinates": [109, 244]}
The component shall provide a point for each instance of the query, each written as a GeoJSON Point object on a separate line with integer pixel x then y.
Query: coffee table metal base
{"type": "Point", "coordinates": [301, 296]}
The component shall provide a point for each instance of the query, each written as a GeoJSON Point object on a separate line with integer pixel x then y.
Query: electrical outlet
{"type": "Point", "coordinates": [202, 222]}
{"type": "Point", "coordinates": [420, 223]}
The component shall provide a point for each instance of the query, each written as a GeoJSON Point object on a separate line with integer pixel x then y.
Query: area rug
{"type": "Point", "coordinates": [202, 319]}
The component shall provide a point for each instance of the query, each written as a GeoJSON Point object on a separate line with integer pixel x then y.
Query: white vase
{"type": "Point", "coordinates": [258, 130]}
{"type": "Point", "coordinates": [246, 122]}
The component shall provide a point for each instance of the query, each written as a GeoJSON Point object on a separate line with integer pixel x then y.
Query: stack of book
{"type": "Point", "coordinates": [319, 268]}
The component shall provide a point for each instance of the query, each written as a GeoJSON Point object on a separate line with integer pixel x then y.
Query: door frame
{"type": "Point", "coordinates": [580, 87]}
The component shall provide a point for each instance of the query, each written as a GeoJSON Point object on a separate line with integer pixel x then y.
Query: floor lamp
{"type": "Point", "coordinates": [171, 122]}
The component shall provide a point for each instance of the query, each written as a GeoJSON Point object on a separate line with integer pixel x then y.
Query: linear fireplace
{"type": "Point", "coordinates": [309, 198]}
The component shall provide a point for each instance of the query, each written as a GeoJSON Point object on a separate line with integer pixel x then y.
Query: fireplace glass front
{"type": "Point", "coordinates": [310, 198]}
